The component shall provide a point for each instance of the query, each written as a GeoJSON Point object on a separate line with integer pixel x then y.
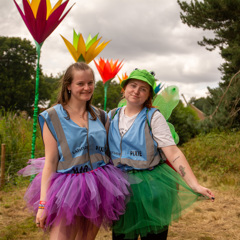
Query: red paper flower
{"type": "Point", "coordinates": [40, 18]}
{"type": "Point", "coordinates": [109, 69]}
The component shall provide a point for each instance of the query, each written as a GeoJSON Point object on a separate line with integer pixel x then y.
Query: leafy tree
{"type": "Point", "coordinates": [228, 112]}
{"type": "Point", "coordinates": [206, 105]}
{"type": "Point", "coordinates": [53, 86]}
{"type": "Point", "coordinates": [17, 75]}
{"type": "Point", "coordinates": [185, 122]}
{"type": "Point", "coordinates": [17, 72]}
{"type": "Point", "coordinates": [223, 19]}
{"type": "Point", "coordinates": [113, 95]}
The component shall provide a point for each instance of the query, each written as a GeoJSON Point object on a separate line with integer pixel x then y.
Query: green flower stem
{"type": "Point", "coordinates": [106, 84]}
{"type": "Point", "coordinates": [35, 113]}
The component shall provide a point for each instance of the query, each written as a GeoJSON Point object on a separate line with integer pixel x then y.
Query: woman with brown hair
{"type": "Point", "coordinates": [78, 189]}
{"type": "Point", "coordinates": [137, 134]}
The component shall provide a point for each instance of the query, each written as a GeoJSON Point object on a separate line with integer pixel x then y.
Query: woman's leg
{"type": "Point", "coordinates": [82, 229]}
{"type": "Point", "coordinates": [159, 236]}
{"type": "Point", "coordinates": [62, 232]}
{"type": "Point", "coordinates": [120, 237]}
{"type": "Point", "coordinates": [88, 232]}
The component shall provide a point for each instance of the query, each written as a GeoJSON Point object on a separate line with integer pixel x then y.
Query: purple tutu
{"type": "Point", "coordinates": [34, 166]}
{"type": "Point", "coordinates": [99, 195]}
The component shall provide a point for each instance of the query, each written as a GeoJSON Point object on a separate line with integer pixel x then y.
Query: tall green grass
{"type": "Point", "coordinates": [16, 134]}
{"type": "Point", "coordinates": [217, 155]}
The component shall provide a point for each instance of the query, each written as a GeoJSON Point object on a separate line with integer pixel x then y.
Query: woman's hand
{"type": "Point", "coordinates": [205, 192]}
{"type": "Point", "coordinates": [40, 218]}
{"type": "Point", "coordinates": [180, 164]}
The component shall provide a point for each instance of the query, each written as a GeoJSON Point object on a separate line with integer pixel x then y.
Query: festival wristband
{"type": "Point", "coordinates": [42, 205]}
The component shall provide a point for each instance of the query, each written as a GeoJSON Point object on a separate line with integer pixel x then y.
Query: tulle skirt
{"type": "Point", "coordinates": [99, 195]}
{"type": "Point", "coordinates": [158, 199]}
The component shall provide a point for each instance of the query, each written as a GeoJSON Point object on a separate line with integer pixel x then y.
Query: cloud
{"type": "Point", "coordinates": [144, 33]}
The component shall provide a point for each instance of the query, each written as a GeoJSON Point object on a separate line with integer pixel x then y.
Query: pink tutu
{"type": "Point", "coordinates": [99, 195]}
{"type": "Point", "coordinates": [34, 166]}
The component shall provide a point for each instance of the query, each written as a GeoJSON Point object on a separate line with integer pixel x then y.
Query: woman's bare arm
{"type": "Point", "coordinates": [181, 165]}
{"type": "Point", "coordinates": [50, 167]}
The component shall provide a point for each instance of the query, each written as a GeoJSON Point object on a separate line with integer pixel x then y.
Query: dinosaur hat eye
{"type": "Point", "coordinates": [153, 73]}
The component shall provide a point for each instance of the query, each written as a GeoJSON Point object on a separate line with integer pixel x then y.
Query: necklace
{"type": "Point", "coordinates": [81, 116]}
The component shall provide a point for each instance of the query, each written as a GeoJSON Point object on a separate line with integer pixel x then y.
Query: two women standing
{"type": "Point", "coordinates": [78, 189]}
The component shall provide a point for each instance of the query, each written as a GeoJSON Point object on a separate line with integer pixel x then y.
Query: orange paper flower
{"type": "Point", "coordinates": [124, 77]}
{"type": "Point", "coordinates": [109, 69]}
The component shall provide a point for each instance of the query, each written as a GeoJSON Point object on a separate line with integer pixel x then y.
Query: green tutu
{"type": "Point", "coordinates": [158, 199]}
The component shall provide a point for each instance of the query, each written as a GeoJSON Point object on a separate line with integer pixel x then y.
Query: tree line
{"type": "Point", "coordinates": [17, 79]}
{"type": "Point", "coordinates": [221, 106]}
{"type": "Point", "coordinates": [221, 17]}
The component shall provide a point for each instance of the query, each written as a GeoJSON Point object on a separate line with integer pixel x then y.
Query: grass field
{"type": "Point", "coordinates": [215, 159]}
{"type": "Point", "coordinates": [219, 220]}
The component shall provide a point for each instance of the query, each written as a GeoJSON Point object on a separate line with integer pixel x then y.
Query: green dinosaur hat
{"type": "Point", "coordinates": [142, 75]}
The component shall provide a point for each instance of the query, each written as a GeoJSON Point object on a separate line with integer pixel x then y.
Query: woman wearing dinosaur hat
{"type": "Point", "coordinates": [138, 134]}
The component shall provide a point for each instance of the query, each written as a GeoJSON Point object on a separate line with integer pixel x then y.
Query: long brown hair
{"type": "Point", "coordinates": [64, 95]}
{"type": "Point", "coordinates": [148, 102]}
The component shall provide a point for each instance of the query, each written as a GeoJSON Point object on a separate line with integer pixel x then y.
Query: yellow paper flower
{"type": "Point", "coordinates": [84, 52]}
{"type": "Point", "coordinates": [124, 77]}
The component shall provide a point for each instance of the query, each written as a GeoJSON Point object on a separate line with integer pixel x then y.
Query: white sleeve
{"type": "Point", "coordinates": [161, 131]}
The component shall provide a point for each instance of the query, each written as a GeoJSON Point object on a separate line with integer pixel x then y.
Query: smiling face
{"type": "Point", "coordinates": [82, 85]}
{"type": "Point", "coordinates": [136, 92]}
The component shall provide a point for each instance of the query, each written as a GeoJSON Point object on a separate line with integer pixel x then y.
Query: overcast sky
{"type": "Point", "coordinates": [146, 34]}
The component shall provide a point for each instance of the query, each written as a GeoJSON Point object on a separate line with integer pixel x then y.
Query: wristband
{"type": "Point", "coordinates": [42, 205]}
